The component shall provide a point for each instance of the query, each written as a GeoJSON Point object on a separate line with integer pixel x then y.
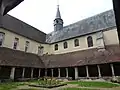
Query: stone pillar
{"type": "Point", "coordinates": [12, 74]}
{"type": "Point", "coordinates": [45, 72]}
{"type": "Point", "coordinates": [52, 72]}
{"type": "Point", "coordinates": [112, 68]}
{"type": "Point", "coordinates": [32, 69]}
{"type": "Point", "coordinates": [23, 73]}
{"type": "Point", "coordinates": [66, 72]}
{"type": "Point", "coordinates": [99, 73]}
{"type": "Point", "coordinates": [76, 73]}
{"type": "Point", "coordinates": [58, 72]}
{"type": "Point", "coordinates": [39, 73]}
{"type": "Point", "coordinates": [87, 71]}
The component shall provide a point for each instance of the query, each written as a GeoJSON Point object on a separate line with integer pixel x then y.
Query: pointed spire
{"type": "Point", "coordinates": [58, 15]}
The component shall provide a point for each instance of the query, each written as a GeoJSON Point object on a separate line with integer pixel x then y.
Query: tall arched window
{"type": "Point", "coordinates": [90, 41]}
{"type": "Point", "coordinates": [56, 47]}
{"type": "Point", "coordinates": [65, 45]}
{"type": "Point", "coordinates": [76, 42]}
{"type": "Point", "coordinates": [1, 38]}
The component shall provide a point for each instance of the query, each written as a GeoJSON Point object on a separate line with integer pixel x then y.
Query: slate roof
{"type": "Point", "coordinates": [19, 27]}
{"type": "Point", "coordinates": [83, 27]}
{"type": "Point", "coordinates": [9, 57]}
{"type": "Point", "coordinates": [85, 57]}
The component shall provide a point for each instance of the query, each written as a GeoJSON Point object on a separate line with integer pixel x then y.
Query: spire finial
{"type": "Point", "coordinates": [58, 3]}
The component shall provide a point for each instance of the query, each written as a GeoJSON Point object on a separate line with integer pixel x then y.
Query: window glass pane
{"type": "Point", "coordinates": [56, 46]}
{"type": "Point", "coordinates": [90, 41]}
{"type": "Point", "coordinates": [65, 45]}
{"type": "Point", "coordinates": [76, 42]}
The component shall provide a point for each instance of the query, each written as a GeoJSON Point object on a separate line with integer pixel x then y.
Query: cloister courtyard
{"type": "Point", "coordinates": [71, 85]}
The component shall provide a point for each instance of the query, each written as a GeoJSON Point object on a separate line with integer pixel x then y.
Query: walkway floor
{"type": "Point", "coordinates": [67, 86]}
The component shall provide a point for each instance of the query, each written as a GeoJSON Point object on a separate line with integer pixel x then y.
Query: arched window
{"type": "Point", "coordinates": [90, 41]}
{"type": "Point", "coordinates": [1, 38]}
{"type": "Point", "coordinates": [56, 47]}
{"type": "Point", "coordinates": [76, 42]}
{"type": "Point", "coordinates": [65, 45]}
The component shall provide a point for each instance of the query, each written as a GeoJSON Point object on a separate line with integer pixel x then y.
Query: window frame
{"type": "Point", "coordinates": [27, 44]}
{"type": "Point", "coordinates": [65, 45]}
{"type": "Point", "coordinates": [76, 43]}
{"type": "Point", "coordinates": [56, 47]}
{"type": "Point", "coordinates": [16, 40]}
{"type": "Point", "coordinates": [90, 41]}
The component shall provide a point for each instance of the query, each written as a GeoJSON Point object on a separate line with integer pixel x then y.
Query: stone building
{"type": "Point", "coordinates": [86, 49]}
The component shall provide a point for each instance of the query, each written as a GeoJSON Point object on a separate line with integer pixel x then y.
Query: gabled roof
{"type": "Point", "coordinates": [19, 27]}
{"type": "Point", "coordinates": [84, 57]}
{"type": "Point", "coordinates": [93, 24]}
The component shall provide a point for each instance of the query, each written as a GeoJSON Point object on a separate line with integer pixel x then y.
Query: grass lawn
{"type": "Point", "coordinates": [94, 84]}
{"type": "Point", "coordinates": [8, 86]}
{"type": "Point", "coordinates": [76, 89]}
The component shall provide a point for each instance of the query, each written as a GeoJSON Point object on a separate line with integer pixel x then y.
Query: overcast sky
{"type": "Point", "coordinates": [41, 13]}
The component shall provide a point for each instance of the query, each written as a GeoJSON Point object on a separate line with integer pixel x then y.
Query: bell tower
{"type": "Point", "coordinates": [58, 22]}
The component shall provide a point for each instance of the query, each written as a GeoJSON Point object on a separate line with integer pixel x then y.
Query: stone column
{"type": "Point", "coordinates": [12, 74]}
{"type": "Point", "coordinates": [66, 72]}
{"type": "Point", "coordinates": [112, 68]}
{"type": "Point", "coordinates": [87, 71]}
{"type": "Point", "coordinates": [52, 72]}
{"type": "Point", "coordinates": [39, 73]}
{"type": "Point", "coordinates": [45, 72]}
{"type": "Point", "coordinates": [23, 73]}
{"type": "Point", "coordinates": [76, 73]}
{"type": "Point", "coordinates": [32, 69]}
{"type": "Point", "coordinates": [99, 73]}
{"type": "Point", "coordinates": [58, 72]}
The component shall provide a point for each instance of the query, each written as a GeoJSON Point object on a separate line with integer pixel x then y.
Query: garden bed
{"type": "Point", "coordinates": [49, 86]}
